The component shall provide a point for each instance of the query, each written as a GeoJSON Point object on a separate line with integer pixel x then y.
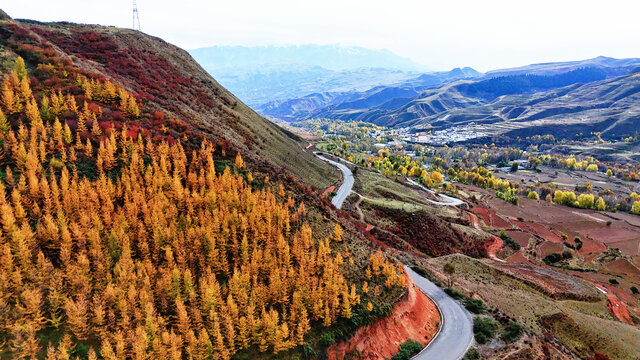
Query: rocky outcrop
{"type": "Point", "coordinates": [415, 317]}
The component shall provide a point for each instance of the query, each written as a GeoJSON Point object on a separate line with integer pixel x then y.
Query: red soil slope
{"type": "Point", "coordinates": [618, 309]}
{"type": "Point", "coordinates": [413, 318]}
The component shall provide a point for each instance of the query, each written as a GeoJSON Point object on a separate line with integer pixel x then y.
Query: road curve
{"type": "Point", "coordinates": [347, 182]}
{"type": "Point", "coordinates": [447, 200]}
{"type": "Point", "coordinates": [456, 330]}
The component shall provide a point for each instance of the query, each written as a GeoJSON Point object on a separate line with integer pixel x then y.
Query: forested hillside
{"type": "Point", "coordinates": [132, 226]}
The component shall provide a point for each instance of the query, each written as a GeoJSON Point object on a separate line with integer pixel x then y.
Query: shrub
{"type": "Point", "coordinates": [308, 352]}
{"type": "Point", "coordinates": [508, 241]}
{"type": "Point", "coordinates": [484, 329]}
{"type": "Point", "coordinates": [454, 293]}
{"type": "Point", "coordinates": [508, 196]}
{"type": "Point", "coordinates": [634, 290]}
{"type": "Point", "coordinates": [472, 354]}
{"type": "Point", "coordinates": [476, 306]}
{"type": "Point", "coordinates": [613, 281]}
{"type": "Point", "coordinates": [327, 339]}
{"type": "Point", "coordinates": [427, 275]}
{"type": "Point", "coordinates": [512, 332]}
{"type": "Point", "coordinates": [552, 258]}
{"type": "Point", "coordinates": [407, 349]}
{"type": "Point", "coordinates": [578, 242]}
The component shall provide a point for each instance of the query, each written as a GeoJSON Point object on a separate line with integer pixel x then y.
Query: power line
{"type": "Point", "coordinates": [136, 17]}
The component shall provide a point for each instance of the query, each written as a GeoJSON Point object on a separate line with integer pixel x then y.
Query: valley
{"type": "Point", "coordinates": [311, 201]}
{"type": "Point", "coordinates": [577, 261]}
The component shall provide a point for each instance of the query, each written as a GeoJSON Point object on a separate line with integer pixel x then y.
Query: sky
{"type": "Point", "coordinates": [483, 34]}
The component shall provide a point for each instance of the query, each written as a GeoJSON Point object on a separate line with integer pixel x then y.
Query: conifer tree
{"type": "Point", "coordinates": [4, 124]}
{"type": "Point", "coordinates": [20, 68]}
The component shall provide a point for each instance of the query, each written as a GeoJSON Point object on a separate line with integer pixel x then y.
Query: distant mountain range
{"type": "Point", "coordinates": [346, 104]}
{"type": "Point", "coordinates": [261, 74]}
{"type": "Point", "coordinates": [566, 98]}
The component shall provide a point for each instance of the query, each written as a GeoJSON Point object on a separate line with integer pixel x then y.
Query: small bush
{"type": "Point", "coordinates": [613, 281]}
{"type": "Point", "coordinates": [552, 258]}
{"type": "Point", "coordinates": [634, 290]}
{"type": "Point", "coordinates": [454, 293]}
{"type": "Point", "coordinates": [475, 306]}
{"type": "Point", "coordinates": [508, 241]}
{"type": "Point", "coordinates": [308, 352]}
{"type": "Point", "coordinates": [407, 349]}
{"type": "Point", "coordinates": [512, 332]}
{"type": "Point", "coordinates": [327, 339]}
{"type": "Point", "coordinates": [578, 242]}
{"type": "Point", "coordinates": [484, 329]}
{"type": "Point", "coordinates": [472, 354]}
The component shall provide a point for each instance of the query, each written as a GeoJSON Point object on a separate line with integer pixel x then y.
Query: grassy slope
{"type": "Point", "coordinates": [579, 324]}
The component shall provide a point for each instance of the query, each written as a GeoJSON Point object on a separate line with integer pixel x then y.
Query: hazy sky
{"type": "Point", "coordinates": [484, 34]}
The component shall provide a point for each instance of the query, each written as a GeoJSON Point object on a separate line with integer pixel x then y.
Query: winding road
{"type": "Point", "coordinates": [456, 331]}
{"type": "Point", "coordinates": [347, 182]}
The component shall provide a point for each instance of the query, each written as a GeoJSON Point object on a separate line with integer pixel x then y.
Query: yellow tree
{"type": "Point", "coordinates": [239, 163]}
{"type": "Point", "coordinates": [337, 233]}
{"type": "Point", "coordinates": [4, 124]}
{"type": "Point", "coordinates": [8, 97]}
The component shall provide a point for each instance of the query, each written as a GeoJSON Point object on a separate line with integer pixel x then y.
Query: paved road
{"type": "Point", "coordinates": [456, 331]}
{"type": "Point", "coordinates": [347, 182]}
{"type": "Point", "coordinates": [446, 200]}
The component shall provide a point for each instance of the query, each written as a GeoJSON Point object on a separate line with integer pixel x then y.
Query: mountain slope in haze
{"type": "Point", "coordinates": [547, 98]}
{"type": "Point", "coordinates": [613, 67]}
{"type": "Point", "coordinates": [354, 101]}
{"type": "Point", "coordinates": [608, 106]}
{"type": "Point", "coordinates": [262, 74]}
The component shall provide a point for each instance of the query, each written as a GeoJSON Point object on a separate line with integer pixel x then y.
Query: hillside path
{"type": "Point", "coordinates": [456, 330]}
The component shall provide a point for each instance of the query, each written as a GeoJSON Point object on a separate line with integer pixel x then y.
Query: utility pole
{"type": "Point", "coordinates": [136, 18]}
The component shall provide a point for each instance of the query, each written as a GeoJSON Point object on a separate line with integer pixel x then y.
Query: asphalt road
{"type": "Point", "coordinates": [456, 331]}
{"type": "Point", "coordinates": [347, 182]}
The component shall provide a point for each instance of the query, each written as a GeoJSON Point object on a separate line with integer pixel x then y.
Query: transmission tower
{"type": "Point", "coordinates": [136, 18]}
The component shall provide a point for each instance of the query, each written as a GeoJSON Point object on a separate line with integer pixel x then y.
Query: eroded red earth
{"type": "Point", "coordinates": [415, 317]}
